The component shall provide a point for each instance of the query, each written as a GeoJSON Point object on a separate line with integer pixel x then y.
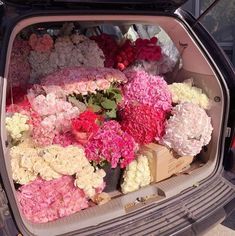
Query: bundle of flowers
{"type": "Point", "coordinates": [188, 129]}
{"type": "Point", "coordinates": [42, 201]}
{"type": "Point", "coordinates": [68, 51]}
{"type": "Point", "coordinates": [81, 80]}
{"type": "Point", "coordinates": [143, 122]}
{"type": "Point", "coordinates": [42, 43]}
{"type": "Point", "coordinates": [19, 68]}
{"type": "Point", "coordinates": [140, 50]}
{"type": "Point", "coordinates": [147, 89]}
{"type": "Point", "coordinates": [56, 117]}
{"type": "Point", "coordinates": [137, 174]}
{"type": "Point", "coordinates": [111, 144]}
{"type": "Point", "coordinates": [17, 125]}
{"type": "Point", "coordinates": [53, 162]}
{"type": "Point", "coordinates": [85, 126]}
{"type": "Point", "coordinates": [186, 92]}
{"type": "Point", "coordinates": [109, 47]}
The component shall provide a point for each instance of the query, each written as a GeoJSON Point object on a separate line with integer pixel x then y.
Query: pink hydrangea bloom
{"type": "Point", "coordinates": [188, 130]}
{"type": "Point", "coordinates": [147, 89]}
{"type": "Point", "coordinates": [65, 139]}
{"type": "Point", "coordinates": [41, 43]}
{"type": "Point", "coordinates": [49, 105]}
{"type": "Point", "coordinates": [19, 68]}
{"type": "Point", "coordinates": [43, 135]}
{"type": "Point", "coordinates": [81, 80]}
{"type": "Point", "coordinates": [143, 122]}
{"type": "Point", "coordinates": [42, 201]}
{"type": "Point", "coordinates": [112, 144]}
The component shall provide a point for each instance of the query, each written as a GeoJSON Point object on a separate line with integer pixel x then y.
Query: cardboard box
{"type": "Point", "coordinates": [163, 163]}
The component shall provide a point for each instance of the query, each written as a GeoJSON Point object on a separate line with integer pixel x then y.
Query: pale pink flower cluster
{"type": "Point", "coordinates": [49, 105]}
{"type": "Point", "coordinates": [74, 50]}
{"type": "Point", "coordinates": [147, 89]}
{"type": "Point", "coordinates": [42, 201]}
{"type": "Point", "coordinates": [56, 117]}
{"type": "Point", "coordinates": [81, 80]}
{"type": "Point", "coordinates": [19, 68]}
{"type": "Point", "coordinates": [188, 129]}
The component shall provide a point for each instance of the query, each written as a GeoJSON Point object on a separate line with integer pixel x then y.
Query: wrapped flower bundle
{"type": "Point", "coordinates": [67, 51]}
{"type": "Point", "coordinates": [111, 144]}
{"type": "Point", "coordinates": [143, 122]}
{"type": "Point", "coordinates": [81, 80]}
{"type": "Point", "coordinates": [188, 129]}
{"type": "Point", "coordinates": [109, 47]}
{"type": "Point", "coordinates": [136, 175]}
{"type": "Point", "coordinates": [85, 126]}
{"type": "Point", "coordinates": [42, 201]}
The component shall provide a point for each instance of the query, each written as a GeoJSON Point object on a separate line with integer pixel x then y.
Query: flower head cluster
{"type": "Point", "coordinates": [147, 89]}
{"type": "Point", "coordinates": [143, 122]}
{"type": "Point", "coordinates": [41, 43]}
{"type": "Point", "coordinates": [17, 125]}
{"type": "Point", "coordinates": [81, 80]}
{"type": "Point", "coordinates": [69, 51]}
{"type": "Point", "coordinates": [136, 175]}
{"type": "Point", "coordinates": [56, 115]}
{"type": "Point", "coordinates": [52, 162]}
{"type": "Point", "coordinates": [85, 126]}
{"type": "Point", "coordinates": [65, 139]}
{"type": "Point", "coordinates": [185, 92]}
{"type": "Point", "coordinates": [147, 49]}
{"type": "Point", "coordinates": [19, 68]}
{"type": "Point", "coordinates": [188, 130]}
{"type": "Point", "coordinates": [126, 55]}
{"type": "Point", "coordinates": [42, 201]}
{"type": "Point", "coordinates": [49, 105]}
{"type": "Point", "coordinates": [109, 47]}
{"type": "Point", "coordinates": [112, 144]}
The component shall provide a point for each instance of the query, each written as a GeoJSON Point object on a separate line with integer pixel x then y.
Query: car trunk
{"type": "Point", "coordinates": [195, 63]}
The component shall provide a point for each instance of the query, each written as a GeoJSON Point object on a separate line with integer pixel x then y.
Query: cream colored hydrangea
{"type": "Point", "coordinates": [16, 125]}
{"type": "Point", "coordinates": [88, 180]}
{"type": "Point", "coordinates": [21, 174]}
{"type": "Point", "coordinates": [136, 175]}
{"type": "Point", "coordinates": [52, 162]}
{"type": "Point", "coordinates": [186, 92]}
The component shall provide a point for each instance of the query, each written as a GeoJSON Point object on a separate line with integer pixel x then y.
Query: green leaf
{"type": "Point", "coordinates": [111, 114]}
{"type": "Point", "coordinates": [95, 107]}
{"type": "Point", "coordinates": [74, 101]}
{"type": "Point", "coordinates": [108, 104]}
{"type": "Point", "coordinates": [118, 97]}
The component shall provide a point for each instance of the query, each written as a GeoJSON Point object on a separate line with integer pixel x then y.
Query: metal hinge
{"type": "Point", "coordinates": [228, 132]}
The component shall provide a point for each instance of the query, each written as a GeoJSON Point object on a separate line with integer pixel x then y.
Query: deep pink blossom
{"type": "Point", "coordinates": [109, 47]}
{"type": "Point", "coordinates": [65, 139]}
{"type": "Point", "coordinates": [111, 144]}
{"type": "Point", "coordinates": [143, 122]}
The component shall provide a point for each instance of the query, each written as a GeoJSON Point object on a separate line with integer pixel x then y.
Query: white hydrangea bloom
{"type": "Point", "coordinates": [136, 175]}
{"type": "Point", "coordinates": [16, 125]}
